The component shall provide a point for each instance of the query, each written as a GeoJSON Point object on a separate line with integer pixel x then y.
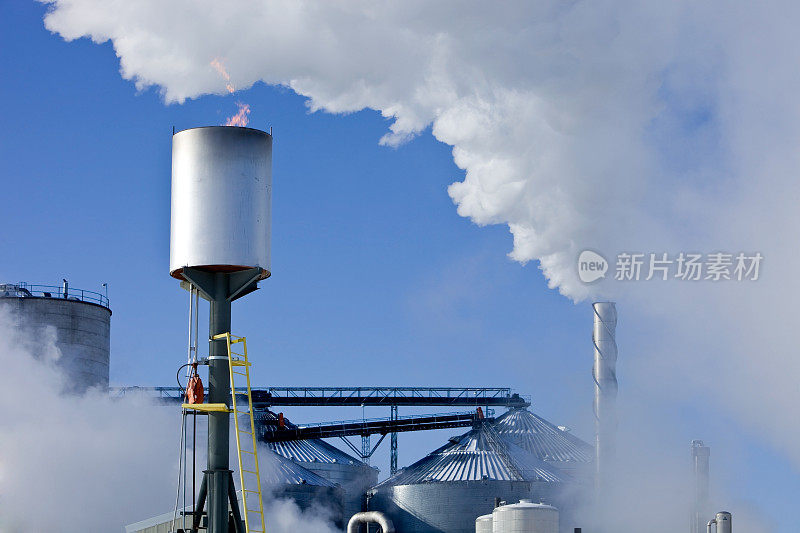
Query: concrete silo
{"type": "Point", "coordinates": [70, 326]}
{"type": "Point", "coordinates": [448, 489]}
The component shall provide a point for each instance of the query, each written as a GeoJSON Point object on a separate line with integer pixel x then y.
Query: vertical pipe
{"type": "Point", "coordinates": [219, 391]}
{"type": "Point", "coordinates": [605, 392]}
{"type": "Point", "coordinates": [393, 449]}
{"type": "Point", "coordinates": [700, 467]}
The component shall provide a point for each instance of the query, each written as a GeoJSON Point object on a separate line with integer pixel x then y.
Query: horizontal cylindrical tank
{"type": "Point", "coordinates": [525, 517]}
{"type": "Point", "coordinates": [70, 331]}
{"type": "Point", "coordinates": [221, 194]}
{"type": "Point", "coordinates": [483, 524]}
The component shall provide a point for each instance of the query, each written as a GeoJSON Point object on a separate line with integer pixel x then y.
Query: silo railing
{"type": "Point", "coordinates": [54, 291]}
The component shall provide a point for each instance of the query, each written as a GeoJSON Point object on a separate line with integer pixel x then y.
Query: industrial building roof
{"type": "Point", "coordinates": [543, 439]}
{"type": "Point", "coordinates": [477, 455]}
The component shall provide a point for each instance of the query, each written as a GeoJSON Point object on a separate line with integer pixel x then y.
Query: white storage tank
{"type": "Point", "coordinates": [724, 522]}
{"type": "Point", "coordinates": [221, 194]}
{"type": "Point", "coordinates": [525, 517]}
{"type": "Point", "coordinates": [483, 524]}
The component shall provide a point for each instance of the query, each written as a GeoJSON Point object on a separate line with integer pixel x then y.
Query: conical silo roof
{"type": "Point", "coordinates": [277, 470]}
{"type": "Point", "coordinates": [477, 455]}
{"type": "Point", "coordinates": [304, 451]}
{"type": "Point", "coordinates": [542, 438]}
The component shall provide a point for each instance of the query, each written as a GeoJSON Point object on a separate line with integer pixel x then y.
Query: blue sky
{"type": "Point", "coordinates": [376, 279]}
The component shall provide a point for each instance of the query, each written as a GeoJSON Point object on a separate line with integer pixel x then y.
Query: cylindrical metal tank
{"type": "Point", "coordinates": [282, 478]}
{"type": "Point", "coordinates": [525, 517]}
{"type": "Point", "coordinates": [221, 194]}
{"type": "Point", "coordinates": [724, 522]}
{"type": "Point", "coordinates": [448, 489]}
{"type": "Point", "coordinates": [352, 475]}
{"type": "Point", "coordinates": [73, 329]}
{"type": "Point", "coordinates": [483, 524]}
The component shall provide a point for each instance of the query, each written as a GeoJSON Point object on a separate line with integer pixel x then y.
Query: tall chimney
{"type": "Point", "coordinates": [605, 391]}
{"type": "Point", "coordinates": [700, 459]}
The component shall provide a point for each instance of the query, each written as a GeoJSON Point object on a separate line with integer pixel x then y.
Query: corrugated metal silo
{"type": "Point", "coordinates": [354, 476]}
{"type": "Point", "coordinates": [283, 478]}
{"type": "Point", "coordinates": [75, 321]}
{"type": "Point", "coordinates": [550, 443]}
{"type": "Point", "coordinates": [447, 490]}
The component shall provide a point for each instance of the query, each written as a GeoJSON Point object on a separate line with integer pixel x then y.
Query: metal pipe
{"type": "Point", "coordinates": [710, 523]}
{"type": "Point", "coordinates": [700, 467]}
{"type": "Point", "coordinates": [605, 394]}
{"type": "Point", "coordinates": [367, 517]}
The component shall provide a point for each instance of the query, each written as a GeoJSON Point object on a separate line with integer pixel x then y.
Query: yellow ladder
{"type": "Point", "coordinates": [237, 362]}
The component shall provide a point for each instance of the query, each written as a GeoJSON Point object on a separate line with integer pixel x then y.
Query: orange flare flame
{"type": "Point", "coordinates": [240, 118]}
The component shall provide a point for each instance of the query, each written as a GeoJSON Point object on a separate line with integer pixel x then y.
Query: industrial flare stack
{"type": "Point", "coordinates": [219, 246]}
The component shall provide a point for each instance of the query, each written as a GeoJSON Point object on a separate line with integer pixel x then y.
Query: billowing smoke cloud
{"type": "Point", "coordinates": [614, 126]}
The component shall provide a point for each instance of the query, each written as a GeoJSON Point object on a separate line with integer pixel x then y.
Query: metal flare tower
{"type": "Point", "coordinates": [219, 246]}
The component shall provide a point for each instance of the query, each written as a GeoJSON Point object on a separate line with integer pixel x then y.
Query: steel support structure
{"type": "Point", "coordinates": [217, 490]}
{"type": "Point", "coordinates": [348, 428]}
{"type": "Point", "coordinates": [264, 397]}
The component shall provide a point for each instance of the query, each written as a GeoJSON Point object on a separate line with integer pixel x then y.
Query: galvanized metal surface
{"type": "Point", "coordinates": [605, 398]}
{"type": "Point", "coordinates": [451, 507]}
{"type": "Point", "coordinates": [525, 517]}
{"type": "Point", "coordinates": [221, 194]}
{"type": "Point", "coordinates": [352, 475]}
{"type": "Point", "coordinates": [543, 439]}
{"type": "Point", "coordinates": [477, 455]}
{"type": "Point", "coordinates": [80, 332]}
{"type": "Point", "coordinates": [278, 470]}
{"type": "Point", "coordinates": [700, 466]}
{"type": "Point", "coordinates": [448, 489]}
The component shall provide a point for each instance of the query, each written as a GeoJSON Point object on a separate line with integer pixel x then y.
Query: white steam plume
{"type": "Point", "coordinates": [636, 126]}
{"type": "Point", "coordinates": [70, 463]}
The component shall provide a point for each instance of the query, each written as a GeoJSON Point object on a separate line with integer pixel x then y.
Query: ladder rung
{"type": "Point", "coordinates": [250, 472]}
{"type": "Point", "coordinates": [253, 491]}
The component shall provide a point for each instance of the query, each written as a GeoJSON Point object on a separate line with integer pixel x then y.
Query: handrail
{"type": "Point", "coordinates": [31, 290]}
